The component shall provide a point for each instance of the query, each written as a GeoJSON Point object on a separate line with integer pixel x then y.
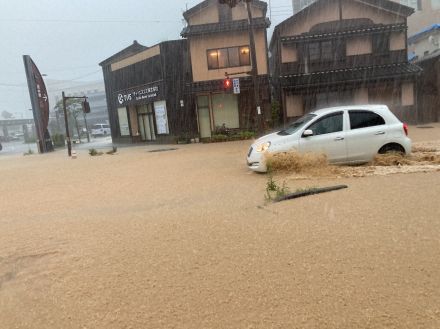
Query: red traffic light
{"type": "Point", "coordinates": [86, 107]}
{"type": "Point", "coordinates": [227, 84]}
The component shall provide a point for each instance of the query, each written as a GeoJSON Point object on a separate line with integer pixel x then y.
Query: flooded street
{"type": "Point", "coordinates": [184, 239]}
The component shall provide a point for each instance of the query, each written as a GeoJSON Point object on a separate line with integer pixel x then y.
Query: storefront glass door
{"type": "Point", "coordinates": [146, 122]}
{"type": "Point", "coordinates": [225, 110]}
{"type": "Point", "coordinates": [204, 116]}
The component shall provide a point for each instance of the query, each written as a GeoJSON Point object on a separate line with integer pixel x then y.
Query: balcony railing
{"type": "Point", "coordinates": [397, 56]}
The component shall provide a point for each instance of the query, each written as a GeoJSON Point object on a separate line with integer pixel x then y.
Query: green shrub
{"type": "Point", "coordinates": [247, 134]}
{"type": "Point", "coordinates": [274, 191]}
{"type": "Point", "coordinates": [94, 152]}
{"type": "Point", "coordinates": [219, 138]}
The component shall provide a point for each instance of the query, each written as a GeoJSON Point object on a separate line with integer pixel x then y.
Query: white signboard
{"type": "Point", "coordinates": [160, 110]}
{"type": "Point", "coordinates": [236, 85]}
{"type": "Point", "coordinates": [138, 94]}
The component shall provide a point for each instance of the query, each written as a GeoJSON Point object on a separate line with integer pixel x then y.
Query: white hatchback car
{"type": "Point", "coordinates": [347, 135]}
{"type": "Point", "coordinates": [100, 129]}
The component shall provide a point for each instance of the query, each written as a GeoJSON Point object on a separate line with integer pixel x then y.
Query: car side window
{"type": "Point", "coordinates": [364, 119]}
{"type": "Point", "coordinates": [329, 124]}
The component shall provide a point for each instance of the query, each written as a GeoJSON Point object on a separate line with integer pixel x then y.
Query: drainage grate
{"type": "Point", "coordinates": [162, 150]}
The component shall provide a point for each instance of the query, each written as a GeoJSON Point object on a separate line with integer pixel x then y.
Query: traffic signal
{"type": "Point", "coordinates": [227, 84]}
{"type": "Point", "coordinates": [86, 107]}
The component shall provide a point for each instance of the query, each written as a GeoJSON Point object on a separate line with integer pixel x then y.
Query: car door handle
{"type": "Point", "coordinates": [339, 138]}
{"type": "Point", "coordinates": [380, 133]}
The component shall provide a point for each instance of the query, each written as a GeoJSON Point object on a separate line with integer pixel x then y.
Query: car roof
{"type": "Point", "coordinates": [350, 107]}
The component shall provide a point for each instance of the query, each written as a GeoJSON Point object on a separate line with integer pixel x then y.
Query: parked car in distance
{"type": "Point", "coordinates": [100, 129]}
{"type": "Point", "coordinates": [347, 135]}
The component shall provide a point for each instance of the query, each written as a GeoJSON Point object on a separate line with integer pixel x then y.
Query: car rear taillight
{"type": "Point", "coordinates": [405, 129]}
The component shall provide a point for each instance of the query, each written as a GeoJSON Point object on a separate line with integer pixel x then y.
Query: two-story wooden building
{"type": "Point", "coordinates": [219, 43]}
{"type": "Point", "coordinates": [145, 89]}
{"type": "Point", "coordinates": [344, 52]}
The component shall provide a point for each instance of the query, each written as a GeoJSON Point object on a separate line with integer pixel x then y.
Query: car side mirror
{"type": "Point", "coordinates": [308, 133]}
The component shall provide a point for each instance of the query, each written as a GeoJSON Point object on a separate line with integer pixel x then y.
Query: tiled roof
{"type": "Point", "coordinates": [360, 30]}
{"type": "Point", "coordinates": [385, 5]}
{"type": "Point", "coordinates": [240, 25]}
{"type": "Point", "coordinates": [204, 4]}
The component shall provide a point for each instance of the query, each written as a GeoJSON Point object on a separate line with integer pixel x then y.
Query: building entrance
{"type": "Point", "coordinates": [146, 122]}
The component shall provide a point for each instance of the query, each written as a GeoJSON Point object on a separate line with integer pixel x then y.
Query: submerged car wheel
{"type": "Point", "coordinates": [393, 147]}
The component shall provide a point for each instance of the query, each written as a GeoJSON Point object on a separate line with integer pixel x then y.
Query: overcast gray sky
{"type": "Point", "coordinates": [68, 38]}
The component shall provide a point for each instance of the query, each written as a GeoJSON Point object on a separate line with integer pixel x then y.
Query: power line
{"type": "Point", "coordinates": [56, 69]}
{"type": "Point", "coordinates": [112, 21]}
{"type": "Point", "coordinates": [69, 69]}
{"type": "Point", "coordinates": [10, 85]}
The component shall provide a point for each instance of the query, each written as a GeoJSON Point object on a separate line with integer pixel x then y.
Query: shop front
{"type": "Point", "coordinates": [146, 95]}
{"type": "Point", "coordinates": [216, 112]}
{"type": "Point", "coordinates": [142, 114]}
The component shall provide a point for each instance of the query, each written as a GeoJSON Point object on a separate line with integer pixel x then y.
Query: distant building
{"type": "Point", "coordinates": [95, 92]}
{"type": "Point", "coordinates": [429, 88]}
{"type": "Point", "coordinates": [344, 52]}
{"type": "Point", "coordinates": [426, 13]}
{"type": "Point", "coordinates": [424, 43]}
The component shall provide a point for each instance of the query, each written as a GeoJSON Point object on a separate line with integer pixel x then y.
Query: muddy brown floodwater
{"type": "Point", "coordinates": [184, 239]}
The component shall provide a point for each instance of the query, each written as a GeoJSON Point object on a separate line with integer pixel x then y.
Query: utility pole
{"type": "Point", "coordinates": [66, 122]}
{"type": "Point", "coordinates": [254, 66]}
{"type": "Point", "coordinates": [86, 109]}
{"type": "Point", "coordinates": [254, 70]}
{"type": "Point", "coordinates": [87, 128]}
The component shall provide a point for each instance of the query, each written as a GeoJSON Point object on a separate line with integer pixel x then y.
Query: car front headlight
{"type": "Point", "coordinates": [262, 147]}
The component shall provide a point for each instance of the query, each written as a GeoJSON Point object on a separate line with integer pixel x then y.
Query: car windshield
{"type": "Point", "coordinates": [294, 127]}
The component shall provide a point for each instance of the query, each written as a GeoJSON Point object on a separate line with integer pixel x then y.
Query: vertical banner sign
{"type": "Point", "coordinates": [236, 85]}
{"type": "Point", "coordinates": [40, 104]}
{"type": "Point", "coordinates": [161, 118]}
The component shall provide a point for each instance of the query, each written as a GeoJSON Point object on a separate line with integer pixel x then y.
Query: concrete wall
{"type": "Point", "coordinates": [200, 44]}
{"type": "Point", "coordinates": [211, 14]}
{"type": "Point", "coordinates": [207, 15]}
{"type": "Point", "coordinates": [351, 9]}
{"type": "Point", "coordinates": [146, 54]}
{"type": "Point", "coordinates": [289, 54]}
{"type": "Point", "coordinates": [408, 97]}
{"type": "Point", "coordinates": [398, 41]}
{"type": "Point", "coordinates": [294, 105]}
{"type": "Point", "coordinates": [240, 12]}
{"type": "Point", "coordinates": [361, 96]}
{"type": "Point", "coordinates": [359, 46]}
{"type": "Point", "coordinates": [324, 13]}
